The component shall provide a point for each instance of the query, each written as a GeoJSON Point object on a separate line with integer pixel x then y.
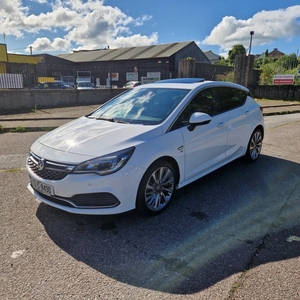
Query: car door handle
{"type": "Point", "coordinates": [220, 125]}
{"type": "Point", "coordinates": [247, 112]}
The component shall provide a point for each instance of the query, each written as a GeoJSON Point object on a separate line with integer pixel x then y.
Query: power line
{"type": "Point", "coordinates": [17, 49]}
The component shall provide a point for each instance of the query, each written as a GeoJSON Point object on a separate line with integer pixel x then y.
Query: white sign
{"type": "Point", "coordinates": [132, 76]}
{"type": "Point", "coordinates": [114, 76]}
{"type": "Point", "coordinates": [145, 80]}
{"type": "Point", "coordinates": [154, 75]}
{"type": "Point", "coordinates": [284, 79]}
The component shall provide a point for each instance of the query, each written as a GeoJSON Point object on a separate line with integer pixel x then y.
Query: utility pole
{"type": "Point", "coordinates": [251, 34]}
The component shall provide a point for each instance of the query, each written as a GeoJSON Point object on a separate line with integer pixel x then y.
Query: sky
{"type": "Point", "coordinates": [60, 26]}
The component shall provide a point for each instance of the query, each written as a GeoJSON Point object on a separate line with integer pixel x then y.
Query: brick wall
{"type": "Point", "coordinates": [17, 101]}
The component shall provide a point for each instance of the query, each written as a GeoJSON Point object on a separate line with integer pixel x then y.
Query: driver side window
{"type": "Point", "coordinates": [205, 101]}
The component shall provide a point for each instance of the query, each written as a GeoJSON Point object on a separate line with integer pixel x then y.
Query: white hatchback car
{"type": "Point", "coordinates": [131, 84]}
{"type": "Point", "coordinates": [136, 149]}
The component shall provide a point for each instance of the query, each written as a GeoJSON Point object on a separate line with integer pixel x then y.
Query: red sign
{"type": "Point", "coordinates": [283, 79]}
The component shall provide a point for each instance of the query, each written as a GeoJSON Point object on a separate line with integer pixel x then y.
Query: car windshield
{"type": "Point", "coordinates": [148, 106]}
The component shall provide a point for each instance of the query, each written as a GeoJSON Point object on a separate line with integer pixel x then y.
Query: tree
{"type": "Point", "coordinates": [288, 62]}
{"type": "Point", "coordinates": [228, 76]}
{"type": "Point", "coordinates": [237, 49]}
{"type": "Point", "coordinates": [266, 53]}
{"type": "Point", "coordinates": [222, 62]}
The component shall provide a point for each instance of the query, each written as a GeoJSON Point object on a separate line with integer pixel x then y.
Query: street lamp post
{"type": "Point", "coordinates": [251, 34]}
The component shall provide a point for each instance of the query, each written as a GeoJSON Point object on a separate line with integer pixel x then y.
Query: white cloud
{"type": "Point", "coordinates": [140, 21]}
{"type": "Point", "coordinates": [268, 26]}
{"type": "Point", "coordinates": [40, 1]}
{"type": "Point", "coordinates": [44, 44]}
{"type": "Point", "coordinates": [83, 24]}
{"type": "Point", "coordinates": [137, 40]}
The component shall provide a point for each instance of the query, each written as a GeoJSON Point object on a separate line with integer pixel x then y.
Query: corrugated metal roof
{"type": "Point", "coordinates": [211, 56]}
{"type": "Point", "coordinates": [143, 52]}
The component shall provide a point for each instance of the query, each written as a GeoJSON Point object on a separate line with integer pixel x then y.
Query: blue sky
{"type": "Point", "coordinates": [60, 26]}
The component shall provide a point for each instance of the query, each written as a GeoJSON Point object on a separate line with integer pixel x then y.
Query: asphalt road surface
{"type": "Point", "coordinates": [234, 234]}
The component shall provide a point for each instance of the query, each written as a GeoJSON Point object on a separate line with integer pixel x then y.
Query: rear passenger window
{"type": "Point", "coordinates": [231, 98]}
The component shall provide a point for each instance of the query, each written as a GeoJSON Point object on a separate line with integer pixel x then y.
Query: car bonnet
{"type": "Point", "coordinates": [86, 138]}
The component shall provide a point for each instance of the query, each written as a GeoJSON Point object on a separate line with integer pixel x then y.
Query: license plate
{"type": "Point", "coordinates": [43, 188]}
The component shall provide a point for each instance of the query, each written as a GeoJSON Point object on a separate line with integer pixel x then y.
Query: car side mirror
{"type": "Point", "coordinates": [198, 119]}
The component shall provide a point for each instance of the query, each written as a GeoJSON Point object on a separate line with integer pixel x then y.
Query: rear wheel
{"type": "Point", "coordinates": [254, 146]}
{"type": "Point", "coordinates": [156, 188]}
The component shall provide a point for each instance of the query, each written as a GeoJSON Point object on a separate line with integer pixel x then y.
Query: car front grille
{"type": "Point", "coordinates": [92, 200]}
{"type": "Point", "coordinates": [48, 169]}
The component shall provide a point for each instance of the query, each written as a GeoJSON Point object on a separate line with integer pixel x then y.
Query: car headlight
{"type": "Point", "coordinates": [105, 165]}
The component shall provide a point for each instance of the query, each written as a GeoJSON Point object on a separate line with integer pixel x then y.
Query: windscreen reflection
{"type": "Point", "coordinates": [149, 106]}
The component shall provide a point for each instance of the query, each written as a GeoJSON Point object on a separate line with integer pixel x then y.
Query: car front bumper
{"type": "Point", "coordinates": [90, 194]}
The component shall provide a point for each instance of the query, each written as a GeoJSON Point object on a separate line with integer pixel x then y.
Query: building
{"type": "Point", "coordinates": [275, 53]}
{"type": "Point", "coordinates": [213, 58]}
{"type": "Point", "coordinates": [103, 66]}
{"type": "Point", "coordinates": [24, 65]}
{"type": "Point", "coordinates": [120, 65]}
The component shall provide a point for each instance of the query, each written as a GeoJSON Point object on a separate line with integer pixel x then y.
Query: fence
{"type": "Point", "coordinates": [11, 81]}
{"type": "Point", "coordinates": [276, 92]}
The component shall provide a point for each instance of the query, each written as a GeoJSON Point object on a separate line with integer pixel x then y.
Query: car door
{"type": "Point", "coordinates": [238, 116]}
{"type": "Point", "coordinates": [205, 146]}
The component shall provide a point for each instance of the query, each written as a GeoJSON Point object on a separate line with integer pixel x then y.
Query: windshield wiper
{"type": "Point", "coordinates": [123, 122]}
{"type": "Point", "coordinates": [110, 119]}
{"type": "Point", "coordinates": [106, 119]}
{"type": "Point", "coordinates": [100, 118]}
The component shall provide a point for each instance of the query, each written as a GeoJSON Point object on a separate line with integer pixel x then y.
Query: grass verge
{"type": "Point", "coordinates": [19, 129]}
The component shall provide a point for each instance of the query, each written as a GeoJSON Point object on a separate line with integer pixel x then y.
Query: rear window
{"type": "Point", "coordinates": [231, 98]}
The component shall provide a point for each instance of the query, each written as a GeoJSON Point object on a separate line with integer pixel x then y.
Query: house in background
{"type": "Point", "coordinates": [212, 57]}
{"type": "Point", "coordinates": [275, 53]}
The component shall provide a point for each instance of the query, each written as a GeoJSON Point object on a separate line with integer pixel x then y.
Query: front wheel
{"type": "Point", "coordinates": [156, 188]}
{"type": "Point", "coordinates": [254, 146]}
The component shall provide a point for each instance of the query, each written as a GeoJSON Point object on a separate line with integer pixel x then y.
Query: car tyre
{"type": "Point", "coordinates": [254, 146]}
{"type": "Point", "coordinates": [156, 188]}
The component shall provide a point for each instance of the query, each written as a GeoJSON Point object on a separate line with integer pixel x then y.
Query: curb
{"type": "Point", "coordinates": [281, 113]}
{"type": "Point", "coordinates": [37, 119]}
{"type": "Point", "coordinates": [27, 129]}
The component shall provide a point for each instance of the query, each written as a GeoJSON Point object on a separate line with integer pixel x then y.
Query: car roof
{"type": "Point", "coordinates": [191, 83]}
{"type": "Point", "coordinates": [181, 80]}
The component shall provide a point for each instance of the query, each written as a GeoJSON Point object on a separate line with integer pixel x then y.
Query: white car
{"type": "Point", "coordinates": [134, 151]}
{"type": "Point", "coordinates": [131, 84]}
